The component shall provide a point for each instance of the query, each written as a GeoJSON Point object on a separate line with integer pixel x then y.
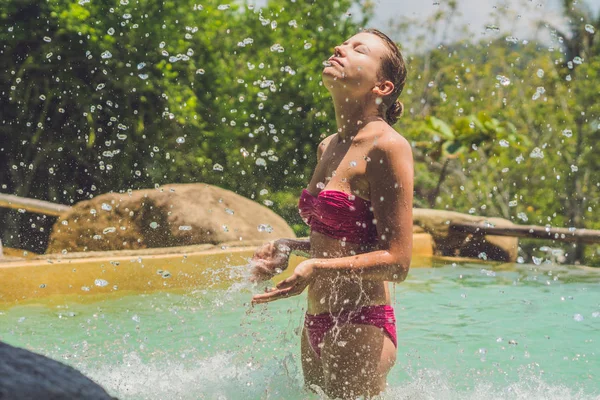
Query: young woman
{"type": "Point", "coordinates": [359, 207]}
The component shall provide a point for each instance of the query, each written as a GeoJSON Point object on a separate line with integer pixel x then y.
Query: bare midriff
{"type": "Point", "coordinates": [333, 291]}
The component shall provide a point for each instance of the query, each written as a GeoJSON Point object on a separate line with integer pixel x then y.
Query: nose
{"type": "Point", "coordinates": [338, 51]}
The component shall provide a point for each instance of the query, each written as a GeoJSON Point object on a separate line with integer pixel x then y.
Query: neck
{"type": "Point", "coordinates": [351, 116]}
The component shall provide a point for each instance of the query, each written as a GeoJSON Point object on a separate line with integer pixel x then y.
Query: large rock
{"type": "Point", "coordinates": [172, 215]}
{"type": "Point", "coordinates": [449, 242]}
{"type": "Point", "coordinates": [28, 376]}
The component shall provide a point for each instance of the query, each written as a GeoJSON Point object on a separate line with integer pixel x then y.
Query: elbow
{"type": "Point", "coordinates": [400, 270]}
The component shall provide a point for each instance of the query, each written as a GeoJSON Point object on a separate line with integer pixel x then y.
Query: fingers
{"type": "Point", "coordinates": [272, 295]}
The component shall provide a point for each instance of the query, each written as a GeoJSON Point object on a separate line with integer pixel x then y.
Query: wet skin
{"type": "Point", "coordinates": [366, 158]}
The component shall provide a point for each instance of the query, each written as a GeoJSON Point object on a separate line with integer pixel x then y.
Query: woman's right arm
{"type": "Point", "coordinates": [299, 247]}
{"type": "Point", "coordinates": [272, 258]}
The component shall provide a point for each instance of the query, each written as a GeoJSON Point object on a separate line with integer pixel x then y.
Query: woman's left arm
{"type": "Point", "coordinates": [391, 179]}
{"type": "Point", "coordinates": [390, 175]}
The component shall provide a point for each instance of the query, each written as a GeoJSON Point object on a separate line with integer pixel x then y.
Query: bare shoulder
{"type": "Point", "coordinates": [323, 145]}
{"type": "Point", "coordinates": [391, 165]}
{"type": "Point", "coordinates": [390, 145]}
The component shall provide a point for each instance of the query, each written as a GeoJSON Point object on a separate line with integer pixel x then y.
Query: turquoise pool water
{"type": "Point", "coordinates": [466, 331]}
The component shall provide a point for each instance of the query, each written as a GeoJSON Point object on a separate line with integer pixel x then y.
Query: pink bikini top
{"type": "Point", "coordinates": [339, 215]}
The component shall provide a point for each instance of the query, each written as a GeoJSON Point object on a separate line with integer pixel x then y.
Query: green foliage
{"type": "Point", "coordinates": [125, 94]}
{"type": "Point", "coordinates": [533, 157]}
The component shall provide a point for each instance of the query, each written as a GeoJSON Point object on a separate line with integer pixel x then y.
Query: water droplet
{"type": "Point", "coordinates": [268, 203]}
{"type": "Point", "coordinates": [106, 207]}
{"type": "Point", "coordinates": [200, 71]}
{"type": "Point", "coordinates": [111, 31]}
{"type": "Point", "coordinates": [589, 28]}
{"type": "Point", "coordinates": [574, 168]}
{"type": "Point", "coordinates": [512, 39]}
{"type": "Point", "coordinates": [110, 229]}
{"type": "Point", "coordinates": [577, 60]}
{"type": "Point", "coordinates": [47, 39]}
{"type": "Point", "coordinates": [536, 153]}
{"type": "Point", "coordinates": [307, 46]}
{"type": "Point", "coordinates": [567, 133]}
{"type": "Point", "coordinates": [504, 81]}
{"type": "Point", "coordinates": [185, 228]}
{"type": "Point", "coordinates": [218, 167]}
{"type": "Point", "coordinates": [540, 73]}
{"type": "Point", "coordinates": [265, 228]}
{"type": "Point", "coordinates": [100, 282]}
{"type": "Point", "coordinates": [263, 192]}
{"type": "Point", "coordinates": [141, 65]}
{"type": "Point", "coordinates": [278, 48]}
{"type": "Point", "coordinates": [261, 162]}
{"type": "Point", "coordinates": [223, 7]}
{"type": "Point", "coordinates": [504, 143]}
{"type": "Point", "coordinates": [353, 164]}
{"type": "Point", "coordinates": [320, 185]}
{"type": "Point", "coordinates": [180, 140]}
{"type": "Point", "coordinates": [106, 54]}
{"type": "Point", "coordinates": [126, 16]}
{"type": "Point", "coordinates": [229, 211]}
{"type": "Point", "coordinates": [153, 224]}
{"type": "Point", "coordinates": [135, 318]}
{"type": "Point", "coordinates": [578, 317]}
{"type": "Point", "coordinates": [42, 97]}
{"type": "Point", "coordinates": [143, 76]}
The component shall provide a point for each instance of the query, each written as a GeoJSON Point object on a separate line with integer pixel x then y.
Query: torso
{"type": "Point", "coordinates": [343, 167]}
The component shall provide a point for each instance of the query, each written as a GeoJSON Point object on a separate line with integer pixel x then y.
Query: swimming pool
{"type": "Point", "coordinates": [465, 330]}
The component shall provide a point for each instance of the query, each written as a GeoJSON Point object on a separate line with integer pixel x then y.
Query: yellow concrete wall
{"type": "Point", "coordinates": [25, 281]}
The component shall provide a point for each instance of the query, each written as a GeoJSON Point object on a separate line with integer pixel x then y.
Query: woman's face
{"type": "Point", "coordinates": [355, 66]}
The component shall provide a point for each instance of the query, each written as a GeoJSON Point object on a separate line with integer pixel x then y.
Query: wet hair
{"type": "Point", "coordinates": [393, 69]}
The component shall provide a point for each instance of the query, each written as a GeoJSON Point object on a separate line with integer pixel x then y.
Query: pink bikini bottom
{"type": "Point", "coordinates": [380, 316]}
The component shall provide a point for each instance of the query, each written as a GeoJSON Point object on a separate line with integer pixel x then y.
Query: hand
{"type": "Point", "coordinates": [303, 275]}
{"type": "Point", "coordinates": [269, 260]}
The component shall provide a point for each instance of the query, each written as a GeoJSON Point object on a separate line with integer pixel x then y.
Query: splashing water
{"type": "Point", "coordinates": [209, 343]}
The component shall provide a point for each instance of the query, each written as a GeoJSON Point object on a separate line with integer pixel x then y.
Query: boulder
{"type": "Point", "coordinates": [29, 376]}
{"type": "Point", "coordinates": [449, 242]}
{"type": "Point", "coordinates": [171, 215]}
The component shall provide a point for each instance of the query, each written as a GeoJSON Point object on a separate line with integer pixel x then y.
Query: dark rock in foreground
{"type": "Point", "coordinates": [25, 375]}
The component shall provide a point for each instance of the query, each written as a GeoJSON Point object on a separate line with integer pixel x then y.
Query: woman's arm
{"type": "Point", "coordinates": [299, 247]}
{"type": "Point", "coordinates": [390, 176]}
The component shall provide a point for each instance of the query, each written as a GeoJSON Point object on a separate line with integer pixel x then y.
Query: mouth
{"type": "Point", "coordinates": [335, 60]}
